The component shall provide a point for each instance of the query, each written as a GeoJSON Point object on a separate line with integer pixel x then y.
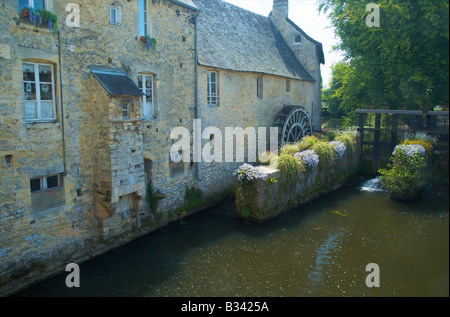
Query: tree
{"type": "Point", "coordinates": [403, 62]}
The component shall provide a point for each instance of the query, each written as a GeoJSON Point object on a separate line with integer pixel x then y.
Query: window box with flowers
{"type": "Point", "coordinates": [40, 18]}
{"type": "Point", "coordinates": [150, 42]}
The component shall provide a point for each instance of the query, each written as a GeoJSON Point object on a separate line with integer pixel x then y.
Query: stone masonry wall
{"type": "Point", "coordinates": [101, 163]}
{"type": "Point", "coordinates": [265, 199]}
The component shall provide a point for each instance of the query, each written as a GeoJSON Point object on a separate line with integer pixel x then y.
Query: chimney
{"type": "Point", "coordinates": [280, 9]}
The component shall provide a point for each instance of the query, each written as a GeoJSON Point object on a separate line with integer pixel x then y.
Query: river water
{"type": "Point", "coordinates": [319, 249]}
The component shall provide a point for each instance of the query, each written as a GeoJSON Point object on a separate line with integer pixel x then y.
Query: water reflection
{"type": "Point", "coordinates": [308, 251]}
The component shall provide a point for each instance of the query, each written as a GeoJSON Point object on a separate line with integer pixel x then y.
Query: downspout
{"type": "Point", "coordinates": [62, 105]}
{"type": "Point", "coordinates": [196, 84]}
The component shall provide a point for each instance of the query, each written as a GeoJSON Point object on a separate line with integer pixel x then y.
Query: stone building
{"type": "Point", "coordinates": [86, 115]}
{"type": "Point", "coordinates": [250, 68]}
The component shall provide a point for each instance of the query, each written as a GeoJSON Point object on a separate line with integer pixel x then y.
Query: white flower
{"type": "Point", "coordinates": [339, 147]}
{"type": "Point", "coordinates": [309, 157]}
{"type": "Point", "coordinates": [410, 150]}
{"type": "Point", "coordinates": [247, 173]}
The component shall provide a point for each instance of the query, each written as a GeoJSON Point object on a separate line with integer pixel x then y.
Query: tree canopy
{"type": "Point", "coordinates": [402, 62]}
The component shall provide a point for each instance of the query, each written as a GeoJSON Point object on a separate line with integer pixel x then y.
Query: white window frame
{"type": "Point", "coordinates": [146, 22]}
{"type": "Point", "coordinates": [44, 185]}
{"type": "Point", "coordinates": [212, 94]}
{"type": "Point", "coordinates": [47, 4]}
{"type": "Point", "coordinates": [116, 12]}
{"type": "Point", "coordinates": [125, 112]}
{"type": "Point", "coordinates": [38, 93]}
{"type": "Point", "coordinates": [148, 108]}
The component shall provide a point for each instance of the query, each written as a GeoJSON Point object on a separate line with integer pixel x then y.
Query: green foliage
{"type": "Point", "coordinates": [331, 136]}
{"type": "Point", "coordinates": [428, 146]}
{"type": "Point", "coordinates": [307, 142]}
{"type": "Point", "coordinates": [349, 140]}
{"type": "Point", "coordinates": [151, 199]}
{"type": "Point", "coordinates": [405, 174]}
{"type": "Point", "coordinates": [193, 197]}
{"type": "Point", "coordinates": [343, 213]}
{"type": "Point", "coordinates": [326, 154]}
{"type": "Point", "coordinates": [46, 17]}
{"type": "Point", "coordinates": [289, 149]}
{"type": "Point", "coordinates": [404, 62]}
{"type": "Point", "coordinates": [290, 170]}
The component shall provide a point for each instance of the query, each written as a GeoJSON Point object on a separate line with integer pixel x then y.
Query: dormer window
{"type": "Point", "coordinates": [297, 39]}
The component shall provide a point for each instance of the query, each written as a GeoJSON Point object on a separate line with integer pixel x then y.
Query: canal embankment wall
{"type": "Point", "coordinates": [266, 198]}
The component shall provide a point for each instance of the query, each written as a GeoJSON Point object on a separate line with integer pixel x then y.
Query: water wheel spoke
{"type": "Point", "coordinates": [294, 124]}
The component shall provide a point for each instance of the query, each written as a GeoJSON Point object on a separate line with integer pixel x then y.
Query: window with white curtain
{"type": "Point", "coordinates": [39, 92]}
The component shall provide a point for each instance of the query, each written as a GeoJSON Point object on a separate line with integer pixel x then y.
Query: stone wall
{"type": "Point", "coordinates": [99, 156]}
{"type": "Point", "coordinates": [265, 199]}
{"type": "Point", "coordinates": [307, 53]}
{"type": "Point", "coordinates": [239, 106]}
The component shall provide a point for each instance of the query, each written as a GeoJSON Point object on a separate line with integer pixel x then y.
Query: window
{"type": "Point", "coordinates": [212, 89]}
{"type": "Point", "coordinates": [143, 17]}
{"type": "Point", "coordinates": [39, 92]}
{"type": "Point", "coordinates": [145, 82]}
{"type": "Point", "coordinates": [297, 39]}
{"type": "Point", "coordinates": [288, 85]}
{"type": "Point", "coordinates": [259, 87]}
{"type": "Point", "coordinates": [125, 112]}
{"type": "Point", "coordinates": [46, 183]}
{"type": "Point", "coordinates": [37, 4]}
{"type": "Point", "coordinates": [115, 14]}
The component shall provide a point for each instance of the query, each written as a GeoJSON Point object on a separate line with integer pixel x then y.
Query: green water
{"type": "Point", "coordinates": [320, 249]}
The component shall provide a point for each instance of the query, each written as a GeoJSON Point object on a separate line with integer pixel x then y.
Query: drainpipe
{"type": "Point", "coordinates": [62, 105]}
{"type": "Point", "coordinates": [196, 84]}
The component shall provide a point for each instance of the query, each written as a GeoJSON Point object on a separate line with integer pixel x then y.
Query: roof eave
{"type": "Point", "coordinates": [183, 4]}
{"type": "Point", "coordinates": [311, 80]}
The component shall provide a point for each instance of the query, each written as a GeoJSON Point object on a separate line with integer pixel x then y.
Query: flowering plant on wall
{"type": "Point", "coordinates": [405, 176]}
{"type": "Point", "coordinates": [41, 16]}
{"type": "Point", "coordinates": [150, 42]}
{"type": "Point", "coordinates": [308, 157]}
{"type": "Point", "coordinates": [339, 147]}
{"type": "Point", "coordinates": [247, 173]}
{"type": "Point", "coordinates": [409, 150]}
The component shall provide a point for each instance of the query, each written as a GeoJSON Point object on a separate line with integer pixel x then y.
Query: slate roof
{"type": "Point", "coordinates": [233, 38]}
{"type": "Point", "coordinates": [116, 81]}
